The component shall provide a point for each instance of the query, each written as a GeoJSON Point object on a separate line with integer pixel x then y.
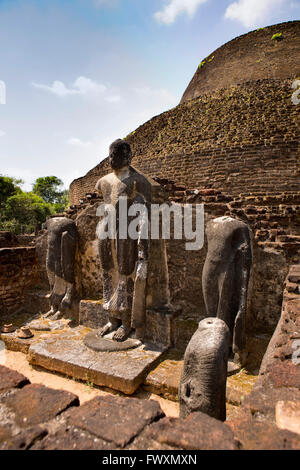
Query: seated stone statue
{"type": "Point", "coordinates": [62, 237]}
{"type": "Point", "coordinates": [124, 261]}
{"type": "Point", "coordinates": [226, 275]}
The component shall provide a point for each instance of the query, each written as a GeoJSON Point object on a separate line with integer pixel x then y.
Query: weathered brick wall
{"type": "Point", "coordinates": [249, 57]}
{"type": "Point", "coordinates": [241, 140]}
{"type": "Point", "coordinates": [8, 239]}
{"type": "Point", "coordinates": [18, 271]}
{"type": "Point", "coordinates": [272, 221]}
{"type": "Point", "coordinates": [239, 148]}
{"type": "Point", "coordinates": [269, 415]}
{"type": "Point", "coordinates": [87, 183]}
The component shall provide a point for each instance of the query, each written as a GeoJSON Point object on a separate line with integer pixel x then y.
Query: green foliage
{"type": "Point", "coordinates": [47, 188]}
{"type": "Point", "coordinates": [204, 61]}
{"type": "Point", "coordinates": [27, 209]}
{"type": "Point", "coordinates": [62, 203]}
{"type": "Point", "coordinates": [277, 37]}
{"type": "Point", "coordinates": [131, 133]}
{"type": "Point", "coordinates": [90, 384]}
{"type": "Point", "coordinates": [21, 211]}
{"type": "Point", "coordinates": [14, 226]}
{"type": "Point", "coordinates": [8, 187]}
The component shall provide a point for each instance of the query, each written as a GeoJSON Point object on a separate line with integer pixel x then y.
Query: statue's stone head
{"type": "Point", "coordinates": [119, 154]}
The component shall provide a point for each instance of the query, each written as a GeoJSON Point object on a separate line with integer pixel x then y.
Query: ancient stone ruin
{"type": "Point", "coordinates": [213, 333]}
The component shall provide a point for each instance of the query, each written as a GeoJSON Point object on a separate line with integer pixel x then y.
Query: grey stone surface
{"type": "Point", "coordinates": [97, 343]}
{"type": "Point", "coordinates": [226, 275]}
{"type": "Point", "coordinates": [124, 260]}
{"type": "Point", "coordinates": [62, 238]}
{"type": "Point", "coordinates": [160, 326]}
{"type": "Point", "coordinates": [92, 314]}
{"type": "Point", "coordinates": [122, 370]}
{"type": "Point", "coordinates": [204, 375]}
{"type": "Point", "coordinates": [45, 324]}
{"type": "Point", "coordinates": [160, 323]}
{"type": "Point", "coordinates": [124, 256]}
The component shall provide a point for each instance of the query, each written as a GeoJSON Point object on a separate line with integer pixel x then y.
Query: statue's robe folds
{"type": "Point", "coordinates": [126, 262]}
{"type": "Point", "coordinates": [226, 275]}
{"type": "Point", "coordinates": [62, 238]}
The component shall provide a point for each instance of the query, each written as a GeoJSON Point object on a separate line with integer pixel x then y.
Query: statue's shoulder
{"type": "Point", "coordinates": [102, 181]}
{"type": "Point", "coordinates": [141, 177]}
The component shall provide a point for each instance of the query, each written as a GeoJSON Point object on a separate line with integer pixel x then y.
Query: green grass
{"type": "Point", "coordinates": [89, 384]}
{"type": "Point", "coordinates": [277, 37]}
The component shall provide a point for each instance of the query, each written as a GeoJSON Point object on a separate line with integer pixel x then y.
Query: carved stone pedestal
{"type": "Point", "coordinates": [159, 323]}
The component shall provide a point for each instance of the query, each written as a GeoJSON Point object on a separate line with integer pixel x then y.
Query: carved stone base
{"type": "Point", "coordinates": [96, 343]}
{"type": "Point", "coordinates": [120, 370]}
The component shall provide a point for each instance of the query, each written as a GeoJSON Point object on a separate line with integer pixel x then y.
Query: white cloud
{"type": "Point", "coordinates": [86, 85]}
{"type": "Point", "coordinates": [2, 133]}
{"type": "Point", "coordinates": [252, 13]}
{"type": "Point", "coordinates": [113, 99]}
{"type": "Point", "coordinates": [81, 86]}
{"type": "Point", "coordinates": [78, 142]}
{"type": "Point", "coordinates": [176, 7]}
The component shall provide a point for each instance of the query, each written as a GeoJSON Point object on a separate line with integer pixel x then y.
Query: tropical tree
{"type": "Point", "coordinates": [63, 202]}
{"type": "Point", "coordinates": [49, 188]}
{"type": "Point", "coordinates": [9, 186]}
{"type": "Point", "coordinates": [27, 209]}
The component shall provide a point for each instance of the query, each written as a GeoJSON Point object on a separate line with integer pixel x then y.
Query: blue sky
{"type": "Point", "coordinates": [81, 73]}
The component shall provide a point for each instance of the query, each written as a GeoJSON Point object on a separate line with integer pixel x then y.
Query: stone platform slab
{"type": "Point", "coordinates": [122, 370]}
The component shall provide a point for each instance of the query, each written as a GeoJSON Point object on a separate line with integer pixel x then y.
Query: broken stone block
{"type": "Point", "coordinates": [35, 404]}
{"type": "Point", "coordinates": [114, 419]}
{"type": "Point", "coordinates": [11, 379]}
{"type": "Point", "coordinates": [196, 432]}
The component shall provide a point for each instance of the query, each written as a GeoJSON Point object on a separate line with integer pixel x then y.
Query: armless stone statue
{"type": "Point", "coordinates": [204, 375]}
{"type": "Point", "coordinates": [62, 238]}
{"type": "Point", "coordinates": [226, 275]}
{"type": "Point", "coordinates": [124, 261]}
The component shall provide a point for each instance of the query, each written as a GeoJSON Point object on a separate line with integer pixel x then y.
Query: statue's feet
{"type": "Point", "coordinates": [108, 328]}
{"type": "Point", "coordinates": [66, 302]}
{"type": "Point", "coordinates": [53, 315]}
{"type": "Point", "coordinates": [57, 316]}
{"type": "Point", "coordinates": [50, 313]}
{"type": "Point", "coordinates": [122, 333]}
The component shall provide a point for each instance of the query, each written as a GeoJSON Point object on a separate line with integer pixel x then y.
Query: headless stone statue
{"type": "Point", "coordinates": [124, 262]}
{"type": "Point", "coordinates": [203, 380]}
{"type": "Point", "coordinates": [62, 237]}
{"type": "Point", "coordinates": [226, 275]}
